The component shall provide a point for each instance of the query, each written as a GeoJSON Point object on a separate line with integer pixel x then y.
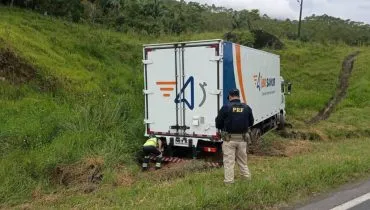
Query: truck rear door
{"type": "Point", "coordinates": [161, 85]}
{"type": "Point", "coordinates": [201, 85]}
{"type": "Point", "coordinates": [182, 83]}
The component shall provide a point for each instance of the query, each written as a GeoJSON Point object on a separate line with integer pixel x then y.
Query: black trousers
{"type": "Point", "coordinates": [148, 150]}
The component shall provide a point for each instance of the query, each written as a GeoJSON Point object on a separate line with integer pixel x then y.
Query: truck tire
{"type": "Point", "coordinates": [168, 151]}
{"type": "Point", "coordinates": [281, 125]}
{"type": "Point", "coordinates": [255, 140]}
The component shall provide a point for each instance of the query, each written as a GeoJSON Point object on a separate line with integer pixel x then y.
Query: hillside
{"type": "Point", "coordinates": [74, 98]}
{"type": "Point", "coordinates": [163, 17]}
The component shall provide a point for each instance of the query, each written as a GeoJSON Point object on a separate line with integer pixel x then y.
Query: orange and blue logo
{"type": "Point", "coordinates": [263, 82]}
{"type": "Point", "coordinates": [166, 87]}
{"type": "Point", "coordinates": [179, 98]}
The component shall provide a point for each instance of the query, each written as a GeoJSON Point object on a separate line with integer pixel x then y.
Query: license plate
{"type": "Point", "coordinates": [181, 141]}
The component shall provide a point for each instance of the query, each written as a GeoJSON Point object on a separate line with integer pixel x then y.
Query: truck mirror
{"type": "Point", "coordinates": [289, 88]}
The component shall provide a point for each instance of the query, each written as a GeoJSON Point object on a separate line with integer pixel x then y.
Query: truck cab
{"type": "Point", "coordinates": [286, 89]}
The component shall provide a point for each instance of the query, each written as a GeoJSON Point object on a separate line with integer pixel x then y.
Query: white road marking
{"type": "Point", "coordinates": [353, 202]}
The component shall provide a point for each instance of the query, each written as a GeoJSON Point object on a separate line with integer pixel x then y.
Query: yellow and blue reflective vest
{"type": "Point", "coordinates": [151, 142]}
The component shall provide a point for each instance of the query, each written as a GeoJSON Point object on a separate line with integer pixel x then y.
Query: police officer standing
{"type": "Point", "coordinates": [234, 120]}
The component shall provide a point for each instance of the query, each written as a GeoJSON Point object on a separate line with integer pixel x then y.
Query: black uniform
{"type": "Point", "coordinates": [235, 118]}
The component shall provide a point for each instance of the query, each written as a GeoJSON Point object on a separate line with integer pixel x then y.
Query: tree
{"type": "Point", "coordinates": [155, 17]}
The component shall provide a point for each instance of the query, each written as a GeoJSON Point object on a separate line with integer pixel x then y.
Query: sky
{"type": "Point", "coordinates": [357, 10]}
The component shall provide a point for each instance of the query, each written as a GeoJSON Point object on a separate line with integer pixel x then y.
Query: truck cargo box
{"type": "Point", "coordinates": [187, 83]}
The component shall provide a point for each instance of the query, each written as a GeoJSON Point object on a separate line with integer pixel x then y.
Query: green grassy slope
{"type": "Point", "coordinates": [351, 118]}
{"type": "Point", "coordinates": [93, 104]}
{"type": "Point", "coordinates": [313, 69]}
{"type": "Point", "coordinates": [276, 183]}
{"type": "Point", "coordinates": [93, 111]}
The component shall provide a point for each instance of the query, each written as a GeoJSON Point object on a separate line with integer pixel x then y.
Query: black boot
{"type": "Point", "coordinates": [145, 164]}
{"type": "Point", "coordinates": [158, 163]}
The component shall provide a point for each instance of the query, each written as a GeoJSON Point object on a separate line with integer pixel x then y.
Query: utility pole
{"type": "Point", "coordinates": [300, 19]}
{"type": "Point", "coordinates": [155, 9]}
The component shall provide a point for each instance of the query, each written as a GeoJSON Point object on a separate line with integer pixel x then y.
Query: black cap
{"type": "Point", "coordinates": [234, 93]}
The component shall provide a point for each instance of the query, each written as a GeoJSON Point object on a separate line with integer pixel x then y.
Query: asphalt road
{"type": "Point", "coordinates": [363, 206]}
{"type": "Point", "coordinates": [351, 197]}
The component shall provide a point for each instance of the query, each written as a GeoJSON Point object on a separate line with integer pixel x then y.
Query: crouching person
{"type": "Point", "coordinates": [153, 146]}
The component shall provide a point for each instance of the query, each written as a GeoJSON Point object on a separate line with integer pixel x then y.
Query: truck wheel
{"type": "Point", "coordinates": [281, 125]}
{"type": "Point", "coordinates": [255, 140]}
{"type": "Point", "coordinates": [168, 151]}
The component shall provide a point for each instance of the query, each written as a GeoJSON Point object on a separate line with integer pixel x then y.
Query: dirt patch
{"type": "Point", "coordinates": [303, 135]}
{"type": "Point", "coordinates": [287, 148]}
{"type": "Point", "coordinates": [18, 71]}
{"type": "Point", "coordinates": [171, 171]}
{"type": "Point", "coordinates": [14, 69]}
{"type": "Point", "coordinates": [70, 179]}
{"type": "Point", "coordinates": [341, 91]}
{"type": "Point", "coordinates": [25, 206]}
{"type": "Point", "coordinates": [84, 175]}
{"type": "Point", "coordinates": [297, 147]}
{"type": "Point", "coordinates": [123, 178]}
{"type": "Point", "coordinates": [39, 196]}
{"type": "Point", "coordinates": [315, 134]}
{"type": "Point", "coordinates": [321, 134]}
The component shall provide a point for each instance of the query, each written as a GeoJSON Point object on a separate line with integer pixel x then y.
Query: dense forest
{"type": "Point", "coordinates": [156, 17]}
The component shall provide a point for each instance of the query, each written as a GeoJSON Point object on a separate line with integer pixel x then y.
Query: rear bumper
{"type": "Point", "coordinates": [187, 141]}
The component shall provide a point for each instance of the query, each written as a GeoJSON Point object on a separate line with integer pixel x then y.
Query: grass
{"type": "Point", "coordinates": [96, 111]}
{"type": "Point", "coordinates": [351, 117]}
{"type": "Point", "coordinates": [276, 182]}
{"type": "Point", "coordinates": [313, 70]}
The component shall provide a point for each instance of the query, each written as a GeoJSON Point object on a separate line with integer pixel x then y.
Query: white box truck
{"type": "Point", "coordinates": [187, 83]}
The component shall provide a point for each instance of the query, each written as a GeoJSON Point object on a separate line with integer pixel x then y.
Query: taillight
{"type": "Point", "coordinates": [210, 149]}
